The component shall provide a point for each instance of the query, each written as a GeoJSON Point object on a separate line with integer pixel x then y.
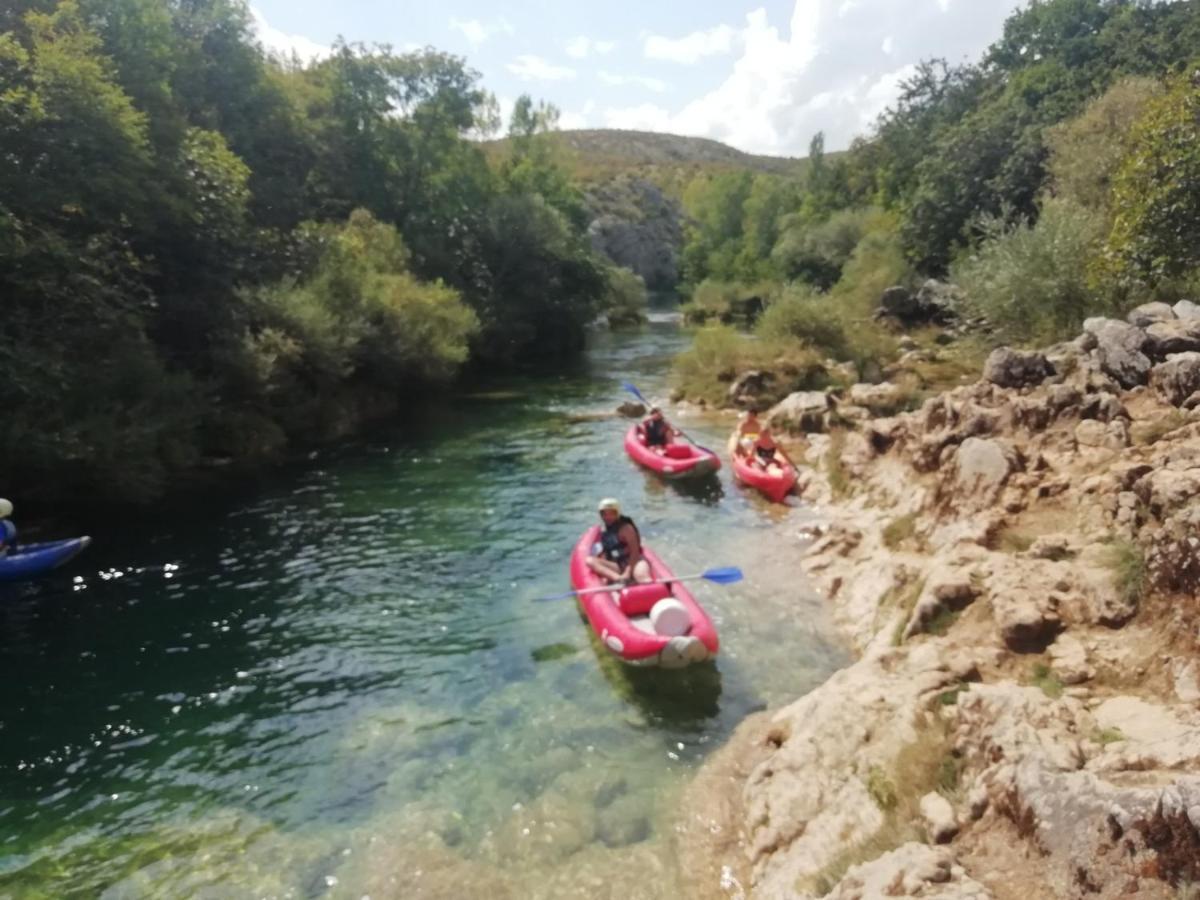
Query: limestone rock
{"type": "Point", "coordinates": [1149, 313]}
{"type": "Point", "coordinates": [1069, 660]}
{"type": "Point", "coordinates": [808, 800]}
{"type": "Point", "coordinates": [875, 397]}
{"type": "Point", "coordinates": [802, 412]}
{"type": "Point", "coordinates": [940, 822]}
{"type": "Point", "coordinates": [1016, 369]}
{"type": "Point", "coordinates": [912, 870]}
{"type": "Point", "coordinates": [1119, 349]}
{"type": "Point", "coordinates": [1178, 378]}
{"type": "Point", "coordinates": [1186, 309]}
{"type": "Point", "coordinates": [1165, 338]}
{"type": "Point", "coordinates": [981, 467]}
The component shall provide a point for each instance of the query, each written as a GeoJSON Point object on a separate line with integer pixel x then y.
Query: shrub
{"type": "Point", "coordinates": [719, 352]}
{"type": "Point", "coordinates": [809, 318]}
{"type": "Point", "coordinates": [625, 301]}
{"type": "Point", "coordinates": [816, 253]}
{"type": "Point", "coordinates": [1032, 281]}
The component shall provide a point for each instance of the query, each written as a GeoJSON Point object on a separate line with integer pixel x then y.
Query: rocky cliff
{"type": "Point", "coordinates": [636, 225]}
{"type": "Point", "coordinates": [1017, 564]}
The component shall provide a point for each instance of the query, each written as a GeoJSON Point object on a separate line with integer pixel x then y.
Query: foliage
{"type": "Point", "coordinates": [1086, 152]}
{"type": "Point", "coordinates": [625, 302]}
{"type": "Point", "coordinates": [817, 253]}
{"type": "Point", "coordinates": [899, 531]}
{"type": "Point", "coordinates": [802, 316]}
{"type": "Point", "coordinates": [174, 196]}
{"type": "Point", "coordinates": [719, 352]}
{"type": "Point", "coordinates": [1045, 679]}
{"type": "Point", "coordinates": [1031, 281]}
{"type": "Point", "coordinates": [1156, 232]}
{"type": "Point", "coordinates": [1127, 563]}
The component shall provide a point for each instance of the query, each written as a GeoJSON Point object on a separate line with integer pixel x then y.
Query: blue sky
{"type": "Point", "coordinates": [762, 76]}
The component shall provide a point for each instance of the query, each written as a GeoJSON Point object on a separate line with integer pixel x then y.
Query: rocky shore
{"type": "Point", "coordinates": [1017, 566]}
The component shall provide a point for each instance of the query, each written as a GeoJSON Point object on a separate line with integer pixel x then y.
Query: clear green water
{"type": "Point", "coordinates": [344, 689]}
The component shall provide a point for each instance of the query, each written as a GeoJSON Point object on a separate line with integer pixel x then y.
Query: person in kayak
{"type": "Point", "coordinates": [618, 555]}
{"type": "Point", "coordinates": [8, 531]}
{"type": "Point", "coordinates": [766, 451]}
{"type": "Point", "coordinates": [748, 430]}
{"type": "Point", "coordinates": [656, 430]}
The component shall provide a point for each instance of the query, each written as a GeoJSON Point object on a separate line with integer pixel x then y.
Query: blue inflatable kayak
{"type": "Point", "coordinates": [31, 560]}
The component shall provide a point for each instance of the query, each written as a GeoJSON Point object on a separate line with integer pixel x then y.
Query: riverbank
{"type": "Point", "coordinates": [1016, 566]}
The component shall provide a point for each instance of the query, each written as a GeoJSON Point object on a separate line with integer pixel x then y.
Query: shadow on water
{"type": "Point", "coordinates": [677, 698]}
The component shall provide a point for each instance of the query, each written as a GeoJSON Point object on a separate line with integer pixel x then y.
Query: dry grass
{"type": "Point", "coordinates": [1128, 565]}
{"type": "Point", "coordinates": [907, 600]}
{"type": "Point", "coordinates": [835, 469]}
{"type": "Point", "coordinates": [899, 531]}
{"type": "Point", "coordinates": [1044, 678]}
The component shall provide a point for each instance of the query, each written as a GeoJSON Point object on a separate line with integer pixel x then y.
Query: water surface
{"type": "Point", "coordinates": [335, 683]}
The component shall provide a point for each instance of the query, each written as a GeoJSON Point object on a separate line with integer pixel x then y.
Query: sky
{"type": "Point", "coordinates": [761, 76]}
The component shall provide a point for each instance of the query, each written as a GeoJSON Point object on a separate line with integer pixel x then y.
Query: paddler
{"type": "Point", "coordinates": [657, 430]}
{"type": "Point", "coordinates": [8, 531]}
{"type": "Point", "coordinates": [748, 430]}
{"type": "Point", "coordinates": [618, 555]}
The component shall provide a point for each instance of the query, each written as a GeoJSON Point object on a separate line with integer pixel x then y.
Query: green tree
{"type": "Point", "coordinates": [1156, 192]}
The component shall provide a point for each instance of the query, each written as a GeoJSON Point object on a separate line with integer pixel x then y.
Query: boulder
{"type": "Point", "coordinates": [899, 303]}
{"type": "Point", "coordinates": [1186, 309]}
{"type": "Point", "coordinates": [803, 412]}
{"type": "Point", "coordinates": [1069, 660]}
{"type": "Point", "coordinates": [878, 398]}
{"type": "Point", "coordinates": [1177, 379]}
{"type": "Point", "coordinates": [1149, 313]}
{"type": "Point", "coordinates": [1112, 435]}
{"type": "Point", "coordinates": [1026, 624]}
{"type": "Point", "coordinates": [631, 409]}
{"type": "Point", "coordinates": [981, 468]}
{"type": "Point", "coordinates": [1010, 368]}
{"type": "Point", "coordinates": [940, 822]}
{"type": "Point", "coordinates": [1178, 336]}
{"type": "Point", "coordinates": [938, 301]}
{"type": "Point", "coordinates": [749, 388]}
{"type": "Point", "coordinates": [1119, 347]}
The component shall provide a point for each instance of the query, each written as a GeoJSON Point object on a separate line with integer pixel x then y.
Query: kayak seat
{"type": "Point", "coordinates": [678, 451]}
{"type": "Point", "coordinates": [639, 599]}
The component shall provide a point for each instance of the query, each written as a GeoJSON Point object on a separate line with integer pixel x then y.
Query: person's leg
{"type": "Point", "coordinates": [604, 568]}
{"type": "Point", "coordinates": [642, 573]}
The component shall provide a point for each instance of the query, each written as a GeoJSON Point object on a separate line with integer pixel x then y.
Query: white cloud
{"type": "Point", "coordinates": [835, 68]}
{"type": "Point", "coordinates": [582, 47]}
{"type": "Point", "coordinates": [644, 117]}
{"type": "Point", "coordinates": [533, 68]}
{"type": "Point", "coordinates": [693, 47]}
{"type": "Point", "coordinates": [284, 44]}
{"type": "Point", "coordinates": [651, 84]}
{"type": "Point", "coordinates": [477, 32]}
{"type": "Point", "coordinates": [572, 120]}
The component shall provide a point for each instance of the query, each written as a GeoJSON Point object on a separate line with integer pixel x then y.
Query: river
{"type": "Point", "coordinates": [335, 682]}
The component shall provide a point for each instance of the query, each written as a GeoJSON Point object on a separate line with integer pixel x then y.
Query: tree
{"type": "Point", "coordinates": [1156, 192]}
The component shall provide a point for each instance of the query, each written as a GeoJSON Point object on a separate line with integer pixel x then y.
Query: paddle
{"type": "Point", "coordinates": [633, 390]}
{"type": "Point", "coordinates": [727, 575]}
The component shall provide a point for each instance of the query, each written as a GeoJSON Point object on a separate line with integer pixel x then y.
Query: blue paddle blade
{"type": "Point", "coordinates": [729, 575]}
{"type": "Point", "coordinates": [633, 390]}
{"type": "Point", "coordinates": [555, 597]}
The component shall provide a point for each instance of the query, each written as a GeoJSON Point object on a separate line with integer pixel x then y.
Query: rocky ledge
{"type": "Point", "coordinates": [1017, 564]}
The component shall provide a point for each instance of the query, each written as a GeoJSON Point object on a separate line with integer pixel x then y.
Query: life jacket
{"type": "Point", "coordinates": [611, 545]}
{"type": "Point", "coordinates": [656, 432]}
{"type": "Point", "coordinates": [8, 534]}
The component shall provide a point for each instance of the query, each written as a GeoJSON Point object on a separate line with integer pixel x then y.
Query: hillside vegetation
{"type": "Point", "coordinates": [208, 254]}
{"type": "Point", "coordinates": [1051, 180]}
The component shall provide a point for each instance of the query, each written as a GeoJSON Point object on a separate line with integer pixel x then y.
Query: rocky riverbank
{"type": "Point", "coordinates": [1017, 565]}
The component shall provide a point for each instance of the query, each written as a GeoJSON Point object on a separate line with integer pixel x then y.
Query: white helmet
{"type": "Point", "coordinates": [6, 508]}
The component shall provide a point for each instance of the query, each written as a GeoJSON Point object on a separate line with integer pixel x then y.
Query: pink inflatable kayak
{"type": "Point", "coordinates": [676, 460]}
{"type": "Point", "coordinates": [774, 485]}
{"type": "Point", "coordinates": [648, 624]}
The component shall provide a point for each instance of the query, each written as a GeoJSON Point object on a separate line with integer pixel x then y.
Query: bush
{"type": "Point", "coordinates": [727, 302]}
{"type": "Point", "coordinates": [816, 253]}
{"type": "Point", "coordinates": [1087, 151]}
{"type": "Point", "coordinates": [626, 299]}
{"type": "Point", "coordinates": [1156, 192]}
{"type": "Point", "coordinates": [719, 353]}
{"type": "Point", "coordinates": [800, 315]}
{"type": "Point", "coordinates": [1032, 281]}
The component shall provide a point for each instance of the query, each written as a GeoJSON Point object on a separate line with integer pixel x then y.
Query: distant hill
{"type": "Point", "coordinates": [599, 154]}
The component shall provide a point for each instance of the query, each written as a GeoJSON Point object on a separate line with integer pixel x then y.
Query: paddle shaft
{"type": "Point", "coordinates": [618, 587]}
{"type": "Point", "coordinates": [632, 388]}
